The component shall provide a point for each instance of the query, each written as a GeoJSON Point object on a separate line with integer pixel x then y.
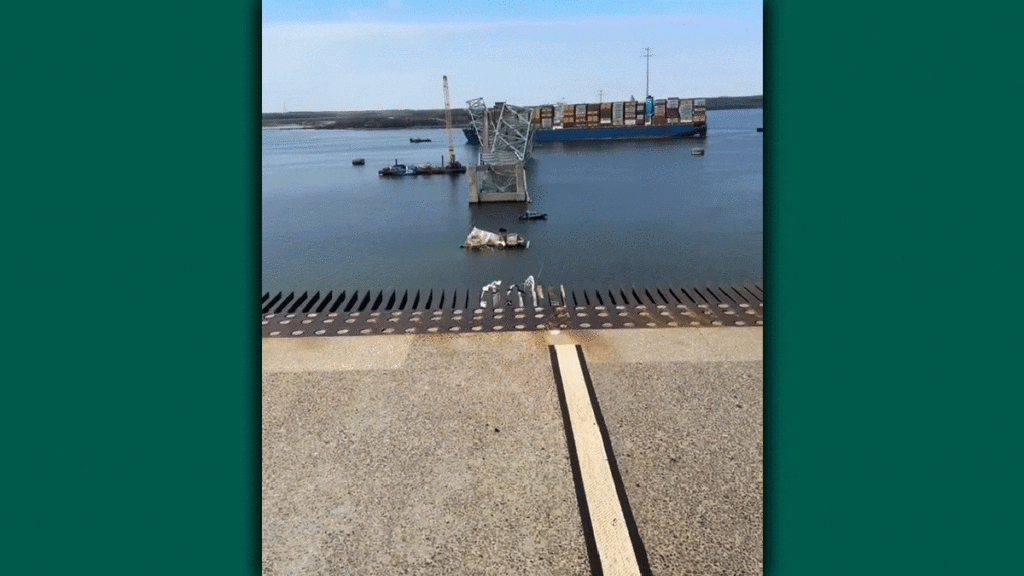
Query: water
{"type": "Point", "coordinates": [629, 213]}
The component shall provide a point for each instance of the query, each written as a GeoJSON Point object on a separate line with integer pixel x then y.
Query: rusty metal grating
{"type": "Point", "coordinates": [509, 309]}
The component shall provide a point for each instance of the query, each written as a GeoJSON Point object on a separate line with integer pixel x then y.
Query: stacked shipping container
{"type": "Point", "coordinates": [699, 113]}
{"type": "Point", "coordinates": [628, 113]}
{"type": "Point", "coordinates": [659, 113]}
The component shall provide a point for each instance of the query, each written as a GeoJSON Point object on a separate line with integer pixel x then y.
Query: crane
{"type": "Point", "coordinates": [452, 162]}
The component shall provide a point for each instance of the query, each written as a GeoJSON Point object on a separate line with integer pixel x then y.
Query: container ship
{"type": "Point", "coordinates": [628, 120]}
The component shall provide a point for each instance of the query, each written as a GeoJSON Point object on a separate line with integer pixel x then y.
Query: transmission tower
{"type": "Point", "coordinates": [648, 55]}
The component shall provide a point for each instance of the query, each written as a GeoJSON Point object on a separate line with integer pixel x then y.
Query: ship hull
{"type": "Point", "coordinates": [621, 133]}
{"type": "Point", "coordinates": [608, 133]}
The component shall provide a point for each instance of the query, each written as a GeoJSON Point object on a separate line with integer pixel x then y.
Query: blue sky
{"type": "Point", "coordinates": [324, 55]}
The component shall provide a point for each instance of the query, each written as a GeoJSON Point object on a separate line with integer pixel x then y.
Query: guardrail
{"type": "Point", "coordinates": [509, 309]}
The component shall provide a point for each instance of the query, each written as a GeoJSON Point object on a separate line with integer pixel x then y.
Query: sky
{"type": "Point", "coordinates": [340, 55]}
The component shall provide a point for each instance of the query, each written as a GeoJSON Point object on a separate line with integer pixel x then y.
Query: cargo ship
{"type": "Point", "coordinates": [627, 120]}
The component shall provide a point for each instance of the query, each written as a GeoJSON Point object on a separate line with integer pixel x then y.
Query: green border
{"type": "Point", "coordinates": [891, 446]}
{"type": "Point", "coordinates": [131, 413]}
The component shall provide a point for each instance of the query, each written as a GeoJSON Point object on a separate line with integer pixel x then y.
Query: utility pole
{"type": "Point", "coordinates": [648, 55]}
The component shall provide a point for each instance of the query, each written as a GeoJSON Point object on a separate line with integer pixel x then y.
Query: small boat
{"type": "Point", "coordinates": [358, 161]}
{"type": "Point", "coordinates": [760, 129]}
{"type": "Point", "coordinates": [418, 140]}
{"type": "Point", "coordinates": [697, 151]}
{"type": "Point", "coordinates": [533, 216]}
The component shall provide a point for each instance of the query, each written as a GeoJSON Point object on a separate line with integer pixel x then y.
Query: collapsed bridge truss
{"type": "Point", "coordinates": [506, 141]}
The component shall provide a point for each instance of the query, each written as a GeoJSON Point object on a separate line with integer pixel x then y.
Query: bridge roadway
{"type": "Point", "coordinates": [448, 453]}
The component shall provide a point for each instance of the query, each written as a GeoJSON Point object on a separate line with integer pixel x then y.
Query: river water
{"type": "Point", "coordinates": [640, 213]}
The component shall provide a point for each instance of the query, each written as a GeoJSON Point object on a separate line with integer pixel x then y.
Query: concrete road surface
{"type": "Point", "coordinates": [449, 454]}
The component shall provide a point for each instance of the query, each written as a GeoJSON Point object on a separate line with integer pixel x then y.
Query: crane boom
{"type": "Point", "coordinates": [448, 124]}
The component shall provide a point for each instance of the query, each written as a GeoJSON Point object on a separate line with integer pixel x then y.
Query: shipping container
{"type": "Point", "coordinates": [698, 102]}
{"type": "Point", "coordinates": [650, 119]}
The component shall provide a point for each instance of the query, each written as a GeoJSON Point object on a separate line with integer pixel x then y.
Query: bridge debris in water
{"type": "Point", "coordinates": [503, 239]}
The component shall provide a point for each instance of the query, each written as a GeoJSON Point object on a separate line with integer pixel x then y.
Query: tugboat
{"type": "Point", "coordinates": [533, 216]}
{"type": "Point", "coordinates": [398, 170]}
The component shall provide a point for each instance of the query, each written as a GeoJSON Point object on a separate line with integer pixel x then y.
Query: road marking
{"type": "Point", "coordinates": [613, 543]}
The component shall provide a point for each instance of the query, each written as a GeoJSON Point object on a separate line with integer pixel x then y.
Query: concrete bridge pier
{"type": "Point", "coordinates": [494, 183]}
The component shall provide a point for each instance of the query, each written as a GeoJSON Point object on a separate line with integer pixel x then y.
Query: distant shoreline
{"type": "Point", "coordinates": [378, 119]}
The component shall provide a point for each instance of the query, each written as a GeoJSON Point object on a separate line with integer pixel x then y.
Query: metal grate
{"type": "Point", "coordinates": [509, 309]}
